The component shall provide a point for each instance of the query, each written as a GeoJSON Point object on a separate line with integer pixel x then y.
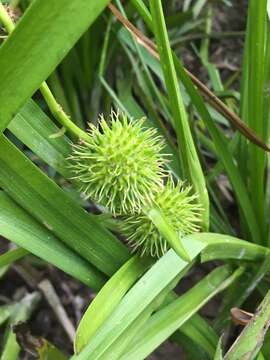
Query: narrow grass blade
{"type": "Point", "coordinates": [256, 72]}
{"type": "Point", "coordinates": [249, 342]}
{"type": "Point", "coordinates": [190, 164]}
{"type": "Point", "coordinates": [100, 308]}
{"type": "Point", "coordinates": [18, 226]}
{"type": "Point", "coordinates": [219, 354]}
{"type": "Point", "coordinates": [201, 333]}
{"type": "Point", "coordinates": [12, 255]}
{"type": "Point", "coordinates": [220, 246]}
{"type": "Point", "coordinates": [35, 129]}
{"type": "Point", "coordinates": [196, 329]}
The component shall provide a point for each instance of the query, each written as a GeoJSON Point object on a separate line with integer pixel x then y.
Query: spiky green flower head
{"type": "Point", "coordinates": [179, 207]}
{"type": "Point", "coordinates": [121, 165]}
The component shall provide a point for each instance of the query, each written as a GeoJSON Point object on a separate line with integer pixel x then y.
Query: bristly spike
{"type": "Point", "coordinates": [180, 209]}
{"type": "Point", "coordinates": [125, 161]}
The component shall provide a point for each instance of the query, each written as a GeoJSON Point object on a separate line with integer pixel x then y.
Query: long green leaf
{"type": "Point", "coordinates": [220, 246]}
{"type": "Point", "coordinates": [218, 354]}
{"type": "Point", "coordinates": [134, 306]}
{"type": "Point", "coordinates": [201, 333]}
{"type": "Point", "coordinates": [100, 308]}
{"type": "Point", "coordinates": [35, 129]}
{"type": "Point", "coordinates": [190, 164]}
{"type": "Point", "coordinates": [249, 342]}
{"type": "Point", "coordinates": [41, 197]}
{"type": "Point", "coordinates": [18, 226]}
{"type": "Point", "coordinates": [256, 78]}
{"type": "Point", "coordinates": [163, 323]}
{"type": "Point", "coordinates": [48, 30]}
{"type": "Point", "coordinates": [12, 255]}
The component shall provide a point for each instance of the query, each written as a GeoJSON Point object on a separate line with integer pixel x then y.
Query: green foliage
{"type": "Point", "coordinates": [179, 168]}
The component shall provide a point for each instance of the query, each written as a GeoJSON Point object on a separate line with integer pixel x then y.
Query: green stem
{"type": "Point", "coordinates": [102, 64]}
{"type": "Point", "coordinates": [53, 105]}
{"type": "Point", "coordinates": [11, 256]}
{"type": "Point", "coordinates": [5, 19]}
{"type": "Point", "coordinates": [189, 161]}
{"type": "Point", "coordinates": [59, 113]}
{"type": "Point", "coordinates": [256, 121]}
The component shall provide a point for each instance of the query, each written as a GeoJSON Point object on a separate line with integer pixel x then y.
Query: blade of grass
{"type": "Point", "coordinates": [220, 246]}
{"type": "Point", "coordinates": [249, 342]}
{"type": "Point", "coordinates": [267, 120]}
{"type": "Point", "coordinates": [218, 354]}
{"type": "Point", "coordinates": [100, 308]}
{"type": "Point", "coordinates": [256, 121]}
{"type": "Point", "coordinates": [115, 351]}
{"type": "Point", "coordinates": [201, 333]}
{"type": "Point", "coordinates": [11, 256]}
{"type": "Point", "coordinates": [55, 108]}
{"type": "Point", "coordinates": [34, 128]}
{"type": "Point", "coordinates": [190, 165]}
{"type": "Point", "coordinates": [18, 226]}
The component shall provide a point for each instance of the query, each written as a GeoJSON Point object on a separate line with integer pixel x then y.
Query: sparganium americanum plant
{"type": "Point", "coordinates": [105, 54]}
{"type": "Point", "coordinates": [122, 168]}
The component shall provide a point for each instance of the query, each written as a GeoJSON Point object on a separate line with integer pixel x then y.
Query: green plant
{"type": "Point", "coordinates": [42, 172]}
{"type": "Point", "coordinates": [121, 167]}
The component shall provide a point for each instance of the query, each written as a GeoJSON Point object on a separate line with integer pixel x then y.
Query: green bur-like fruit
{"type": "Point", "coordinates": [121, 166]}
{"type": "Point", "coordinates": [179, 208]}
